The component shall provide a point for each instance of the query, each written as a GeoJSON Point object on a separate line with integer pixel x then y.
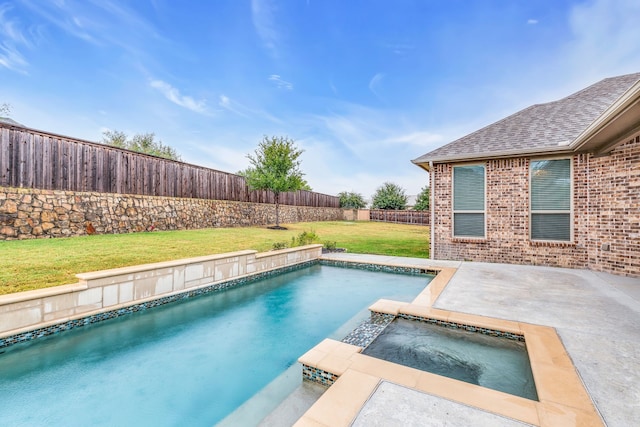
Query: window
{"type": "Point", "coordinates": [468, 201]}
{"type": "Point", "coordinates": [551, 200]}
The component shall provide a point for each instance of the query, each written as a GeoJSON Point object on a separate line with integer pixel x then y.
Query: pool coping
{"type": "Point", "coordinates": [563, 399]}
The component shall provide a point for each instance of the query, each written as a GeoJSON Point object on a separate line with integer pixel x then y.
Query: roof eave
{"type": "Point", "coordinates": [614, 126]}
{"type": "Point", "coordinates": [470, 157]}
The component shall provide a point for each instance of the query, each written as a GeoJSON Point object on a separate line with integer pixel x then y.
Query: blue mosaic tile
{"type": "Point", "coordinates": [378, 267]}
{"type": "Point", "coordinates": [470, 328]}
{"type": "Point", "coordinates": [319, 376]}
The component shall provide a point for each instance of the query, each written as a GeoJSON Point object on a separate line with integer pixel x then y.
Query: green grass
{"type": "Point", "coordinates": [40, 263]}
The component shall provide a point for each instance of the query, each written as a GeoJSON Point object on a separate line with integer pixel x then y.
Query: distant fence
{"type": "Point", "coordinates": [35, 159]}
{"type": "Point", "coordinates": [400, 217]}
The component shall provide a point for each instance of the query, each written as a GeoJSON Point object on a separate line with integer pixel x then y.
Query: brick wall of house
{"type": "Point", "coordinates": [507, 219]}
{"type": "Point", "coordinates": [614, 210]}
{"type": "Point", "coordinates": [606, 203]}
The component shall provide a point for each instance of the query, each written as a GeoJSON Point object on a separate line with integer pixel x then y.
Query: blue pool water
{"type": "Point", "coordinates": [494, 362]}
{"type": "Point", "coordinates": [188, 363]}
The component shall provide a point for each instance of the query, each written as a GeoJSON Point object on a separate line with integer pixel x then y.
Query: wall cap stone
{"type": "Point", "coordinates": [94, 275]}
{"type": "Point", "coordinates": [41, 293]}
{"type": "Point", "coordinates": [288, 250]}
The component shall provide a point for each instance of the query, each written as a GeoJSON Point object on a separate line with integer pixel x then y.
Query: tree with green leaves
{"type": "Point", "coordinates": [275, 166]}
{"type": "Point", "coordinates": [389, 196]}
{"type": "Point", "coordinates": [142, 143]}
{"type": "Point", "coordinates": [5, 110]}
{"type": "Point", "coordinates": [351, 200]}
{"type": "Point", "coordinates": [422, 201]}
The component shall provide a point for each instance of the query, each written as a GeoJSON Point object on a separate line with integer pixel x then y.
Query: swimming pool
{"type": "Point", "coordinates": [187, 363]}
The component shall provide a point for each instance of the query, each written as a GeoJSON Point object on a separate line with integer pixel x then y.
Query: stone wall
{"type": "Point", "coordinates": [606, 206]}
{"type": "Point", "coordinates": [30, 213]}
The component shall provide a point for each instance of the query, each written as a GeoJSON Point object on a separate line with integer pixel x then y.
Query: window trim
{"type": "Point", "coordinates": [454, 211]}
{"type": "Point", "coordinates": [569, 211]}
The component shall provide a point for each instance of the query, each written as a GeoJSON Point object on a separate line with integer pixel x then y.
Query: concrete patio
{"type": "Point", "coordinates": [596, 315]}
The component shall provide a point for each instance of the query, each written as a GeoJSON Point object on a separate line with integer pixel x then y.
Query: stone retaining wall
{"type": "Point", "coordinates": [30, 213]}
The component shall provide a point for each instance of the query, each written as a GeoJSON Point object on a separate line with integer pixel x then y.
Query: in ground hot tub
{"type": "Point", "coordinates": [494, 362]}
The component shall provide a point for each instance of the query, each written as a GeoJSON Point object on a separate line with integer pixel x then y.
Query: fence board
{"type": "Point", "coordinates": [400, 217]}
{"type": "Point", "coordinates": [34, 159]}
{"type": "Point", "coordinates": [4, 156]}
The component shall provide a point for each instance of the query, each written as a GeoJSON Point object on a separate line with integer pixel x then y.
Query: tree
{"type": "Point", "coordinates": [5, 110]}
{"type": "Point", "coordinates": [389, 196]}
{"type": "Point", "coordinates": [351, 200]}
{"type": "Point", "coordinates": [275, 167]}
{"type": "Point", "coordinates": [422, 201]}
{"type": "Point", "coordinates": [142, 143]}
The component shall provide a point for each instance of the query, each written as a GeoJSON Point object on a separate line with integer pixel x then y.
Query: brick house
{"type": "Point", "coordinates": [555, 184]}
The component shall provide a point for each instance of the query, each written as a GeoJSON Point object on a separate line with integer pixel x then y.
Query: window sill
{"type": "Point", "coordinates": [551, 243]}
{"type": "Point", "coordinates": [469, 239]}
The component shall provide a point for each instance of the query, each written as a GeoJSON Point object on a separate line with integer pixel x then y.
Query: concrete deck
{"type": "Point", "coordinates": [596, 315]}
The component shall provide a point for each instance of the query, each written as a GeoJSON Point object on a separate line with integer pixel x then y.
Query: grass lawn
{"type": "Point", "coordinates": [40, 263]}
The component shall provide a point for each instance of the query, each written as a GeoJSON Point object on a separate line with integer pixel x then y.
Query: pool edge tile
{"type": "Point", "coordinates": [489, 400]}
{"type": "Point", "coordinates": [386, 306]}
{"type": "Point", "coordinates": [387, 371]}
{"type": "Point", "coordinates": [485, 322]}
{"type": "Point", "coordinates": [342, 402]}
{"type": "Point", "coordinates": [553, 414]}
{"type": "Point", "coordinates": [425, 312]}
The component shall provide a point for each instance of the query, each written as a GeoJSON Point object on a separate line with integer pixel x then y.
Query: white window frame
{"type": "Point", "coordinates": [565, 211]}
{"type": "Point", "coordinates": [454, 211]}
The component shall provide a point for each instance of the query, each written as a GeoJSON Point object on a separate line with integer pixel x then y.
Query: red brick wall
{"type": "Point", "coordinates": [606, 203]}
{"type": "Point", "coordinates": [614, 210]}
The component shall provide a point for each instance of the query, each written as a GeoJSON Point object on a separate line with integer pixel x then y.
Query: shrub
{"type": "Point", "coordinates": [305, 238]}
{"type": "Point", "coordinates": [279, 245]}
{"type": "Point", "coordinates": [330, 246]}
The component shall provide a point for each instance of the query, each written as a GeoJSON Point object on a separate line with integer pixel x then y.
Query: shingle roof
{"type": "Point", "coordinates": [541, 126]}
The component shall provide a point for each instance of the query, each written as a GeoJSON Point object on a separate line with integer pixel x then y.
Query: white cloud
{"type": "Point", "coordinates": [245, 111]}
{"type": "Point", "coordinates": [223, 158]}
{"type": "Point", "coordinates": [173, 95]}
{"type": "Point", "coordinates": [363, 147]}
{"type": "Point", "coordinates": [100, 23]}
{"type": "Point", "coordinates": [281, 84]}
{"type": "Point", "coordinates": [605, 43]}
{"type": "Point", "coordinates": [375, 82]}
{"type": "Point", "coordinates": [11, 37]}
{"type": "Point", "coordinates": [418, 138]}
{"type": "Point", "coordinates": [532, 21]}
{"type": "Point", "coordinates": [399, 48]}
{"type": "Point", "coordinates": [71, 17]}
{"type": "Point", "coordinates": [333, 87]}
{"type": "Point", "coordinates": [263, 17]}
{"type": "Point", "coordinates": [235, 107]}
{"type": "Point", "coordinates": [11, 58]}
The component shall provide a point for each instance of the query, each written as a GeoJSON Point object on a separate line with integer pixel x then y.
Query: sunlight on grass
{"type": "Point", "coordinates": [34, 264]}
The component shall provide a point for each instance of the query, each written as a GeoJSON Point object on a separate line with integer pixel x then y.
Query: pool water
{"type": "Point", "coordinates": [493, 362]}
{"type": "Point", "coordinates": [187, 363]}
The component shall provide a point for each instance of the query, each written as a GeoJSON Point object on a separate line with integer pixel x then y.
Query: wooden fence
{"type": "Point", "coordinates": [400, 217]}
{"type": "Point", "coordinates": [35, 159]}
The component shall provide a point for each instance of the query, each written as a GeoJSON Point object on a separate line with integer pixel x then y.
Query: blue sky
{"type": "Point", "coordinates": [363, 86]}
